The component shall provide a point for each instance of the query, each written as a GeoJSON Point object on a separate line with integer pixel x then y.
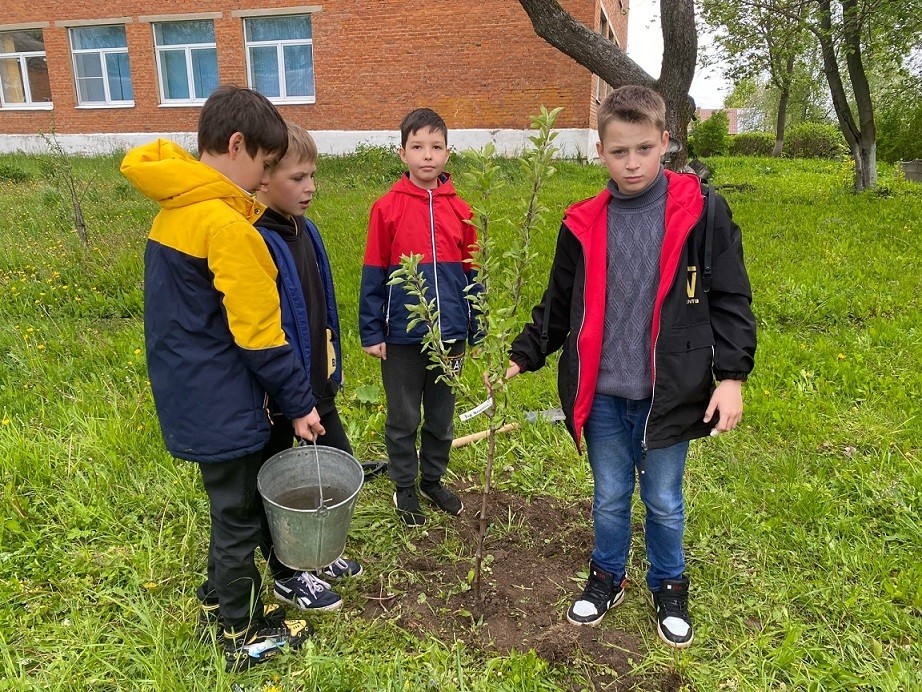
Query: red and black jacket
{"type": "Point", "coordinates": [436, 224]}
{"type": "Point", "coordinates": [699, 334]}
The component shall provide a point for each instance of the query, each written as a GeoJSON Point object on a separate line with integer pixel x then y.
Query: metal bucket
{"type": "Point", "coordinates": [308, 534]}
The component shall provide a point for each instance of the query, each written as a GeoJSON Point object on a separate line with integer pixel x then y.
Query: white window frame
{"type": "Point", "coordinates": [22, 57]}
{"type": "Point", "coordinates": [188, 48]}
{"type": "Point", "coordinates": [602, 88]}
{"type": "Point", "coordinates": [102, 53]}
{"type": "Point", "coordinates": [280, 59]}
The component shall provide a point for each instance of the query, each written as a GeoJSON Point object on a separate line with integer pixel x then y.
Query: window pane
{"type": "Point", "coordinates": [279, 28]}
{"type": "Point", "coordinates": [181, 33]}
{"type": "Point", "coordinates": [119, 77]}
{"type": "Point", "coordinates": [21, 41]}
{"type": "Point", "coordinates": [99, 37]}
{"type": "Point", "coordinates": [205, 71]}
{"type": "Point", "coordinates": [299, 70]}
{"type": "Point", "coordinates": [173, 73]}
{"type": "Point", "coordinates": [265, 65]}
{"type": "Point", "coordinates": [88, 65]}
{"type": "Point", "coordinates": [11, 81]}
{"type": "Point", "coordinates": [37, 68]}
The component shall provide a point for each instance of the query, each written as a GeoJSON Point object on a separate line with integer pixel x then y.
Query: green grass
{"type": "Point", "coordinates": [804, 537]}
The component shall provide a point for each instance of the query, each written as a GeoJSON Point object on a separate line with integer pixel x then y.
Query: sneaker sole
{"type": "Point", "coordinates": [318, 609]}
{"type": "Point", "coordinates": [402, 515]}
{"type": "Point", "coordinates": [673, 644]}
{"type": "Point", "coordinates": [594, 623]}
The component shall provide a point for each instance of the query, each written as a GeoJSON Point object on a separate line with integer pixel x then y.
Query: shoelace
{"type": "Point", "coordinates": [314, 584]}
{"type": "Point", "coordinates": [674, 605]}
{"type": "Point", "coordinates": [596, 591]}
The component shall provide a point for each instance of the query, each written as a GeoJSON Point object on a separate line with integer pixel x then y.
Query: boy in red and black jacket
{"type": "Point", "coordinates": [651, 309]}
{"type": "Point", "coordinates": [421, 214]}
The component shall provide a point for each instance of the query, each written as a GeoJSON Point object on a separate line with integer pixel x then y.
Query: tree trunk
{"type": "Point", "coordinates": [867, 135]}
{"type": "Point", "coordinates": [862, 141]}
{"type": "Point", "coordinates": [785, 84]}
{"type": "Point", "coordinates": [603, 58]}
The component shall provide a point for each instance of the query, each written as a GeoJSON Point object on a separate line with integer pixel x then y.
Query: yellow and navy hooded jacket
{"type": "Point", "coordinates": [215, 347]}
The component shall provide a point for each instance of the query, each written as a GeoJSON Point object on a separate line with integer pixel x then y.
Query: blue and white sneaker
{"type": "Point", "coordinates": [340, 568]}
{"type": "Point", "coordinates": [307, 592]}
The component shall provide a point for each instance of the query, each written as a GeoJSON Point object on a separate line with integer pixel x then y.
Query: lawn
{"type": "Point", "coordinates": [804, 536]}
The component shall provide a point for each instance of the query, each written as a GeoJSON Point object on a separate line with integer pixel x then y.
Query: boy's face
{"type": "Point", "coordinates": [249, 172]}
{"type": "Point", "coordinates": [290, 187]}
{"type": "Point", "coordinates": [425, 155]}
{"type": "Point", "coordinates": [632, 153]}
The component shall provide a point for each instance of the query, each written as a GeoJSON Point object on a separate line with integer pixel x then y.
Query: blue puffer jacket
{"type": "Point", "coordinates": [294, 309]}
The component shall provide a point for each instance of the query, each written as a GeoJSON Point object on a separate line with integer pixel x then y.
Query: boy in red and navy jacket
{"type": "Point", "coordinates": [650, 301]}
{"type": "Point", "coordinates": [421, 214]}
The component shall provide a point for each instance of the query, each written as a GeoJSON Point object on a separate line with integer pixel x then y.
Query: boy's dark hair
{"type": "Point", "coordinates": [232, 109]}
{"type": "Point", "coordinates": [417, 119]}
{"type": "Point", "coordinates": [632, 104]}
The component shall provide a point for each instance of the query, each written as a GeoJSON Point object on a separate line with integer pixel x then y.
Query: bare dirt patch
{"type": "Point", "coordinates": [534, 549]}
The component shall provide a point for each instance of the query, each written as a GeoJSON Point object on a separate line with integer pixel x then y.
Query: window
{"type": "Point", "coordinates": [602, 88]}
{"type": "Point", "coordinates": [23, 70]}
{"type": "Point", "coordinates": [101, 65]}
{"type": "Point", "coordinates": [280, 57]}
{"type": "Point", "coordinates": [187, 60]}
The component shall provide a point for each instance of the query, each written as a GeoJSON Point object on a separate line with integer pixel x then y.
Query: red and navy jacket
{"type": "Point", "coordinates": [434, 223]}
{"type": "Point", "coordinates": [698, 335]}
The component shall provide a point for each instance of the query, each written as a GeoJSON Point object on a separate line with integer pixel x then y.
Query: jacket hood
{"type": "Point", "coordinates": [166, 173]}
{"type": "Point", "coordinates": [405, 186]}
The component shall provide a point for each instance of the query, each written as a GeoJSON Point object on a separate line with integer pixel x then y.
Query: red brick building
{"type": "Point", "coordinates": [347, 70]}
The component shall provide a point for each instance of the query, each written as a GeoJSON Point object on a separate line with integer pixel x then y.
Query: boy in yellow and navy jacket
{"type": "Point", "coordinates": [216, 351]}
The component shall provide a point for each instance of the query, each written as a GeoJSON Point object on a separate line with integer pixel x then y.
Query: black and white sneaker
{"type": "Point", "coordinates": [307, 592]}
{"type": "Point", "coordinates": [442, 497]}
{"type": "Point", "coordinates": [407, 503]}
{"type": "Point", "coordinates": [600, 595]}
{"type": "Point", "coordinates": [262, 640]}
{"type": "Point", "coordinates": [340, 568]}
{"type": "Point", "coordinates": [673, 624]}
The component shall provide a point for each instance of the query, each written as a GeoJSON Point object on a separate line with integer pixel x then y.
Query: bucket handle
{"type": "Point", "coordinates": [322, 509]}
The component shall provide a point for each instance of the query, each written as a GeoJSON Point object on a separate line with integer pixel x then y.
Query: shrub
{"type": "Point", "coordinates": [711, 137]}
{"type": "Point", "coordinates": [752, 144]}
{"type": "Point", "coordinates": [814, 141]}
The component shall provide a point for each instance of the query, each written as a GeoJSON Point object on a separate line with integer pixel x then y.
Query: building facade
{"type": "Point", "coordinates": [347, 70]}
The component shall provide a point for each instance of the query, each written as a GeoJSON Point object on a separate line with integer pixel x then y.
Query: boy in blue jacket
{"type": "Point", "coordinates": [311, 323]}
{"type": "Point", "coordinates": [421, 214]}
{"type": "Point", "coordinates": [216, 351]}
{"type": "Point", "coordinates": [650, 303]}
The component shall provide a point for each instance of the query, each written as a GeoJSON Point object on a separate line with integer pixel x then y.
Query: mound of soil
{"type": "Point", "coordinates": [534, 550]}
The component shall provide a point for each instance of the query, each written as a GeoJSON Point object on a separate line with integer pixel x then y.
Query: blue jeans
{"type": "Point", "coordinates": [614, 432]}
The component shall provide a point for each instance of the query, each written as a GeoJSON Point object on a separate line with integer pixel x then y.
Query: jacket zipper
{"type": "Point", "coordinates": [387, 312]}
{"type": "Point", "coordinates": [435, 262]}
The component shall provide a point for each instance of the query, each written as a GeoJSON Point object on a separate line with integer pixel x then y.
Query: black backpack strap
{"type": "Point", "coordinates": [709, 204]}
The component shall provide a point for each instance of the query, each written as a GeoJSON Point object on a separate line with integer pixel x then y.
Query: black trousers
{"type": "Point", "coordinates": [239, 525]}
{"type": "Point", "coordinates": [408, 385]}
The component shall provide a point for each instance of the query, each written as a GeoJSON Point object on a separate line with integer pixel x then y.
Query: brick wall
{"type": "Point", "coordinates": [478, 63]}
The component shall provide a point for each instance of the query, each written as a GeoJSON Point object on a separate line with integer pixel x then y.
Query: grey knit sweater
{"type": "Point", "coordinates": [636, 225]}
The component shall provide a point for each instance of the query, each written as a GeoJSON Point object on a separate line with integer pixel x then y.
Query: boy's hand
{"type": "Point", "coordinates": [309, 427]}
{"type": "Point", "coordinates": [728, 400]}
{"type": "Point", "coordinates": [378, 350]}
{"type": "Point", "coordinates": [511, 372]}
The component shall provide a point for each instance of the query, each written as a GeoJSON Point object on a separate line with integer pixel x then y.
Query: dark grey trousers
{"type": "Point", "coordinates": [409, 384]}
